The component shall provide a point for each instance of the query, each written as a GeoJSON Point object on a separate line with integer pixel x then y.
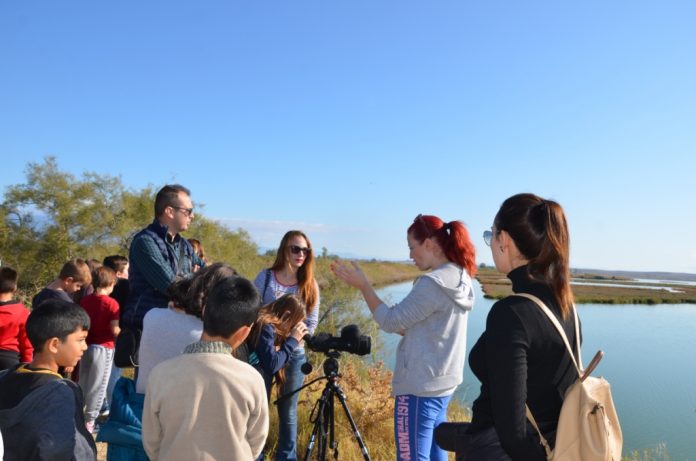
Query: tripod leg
{"type": "Point", "coordinates": [332, 437]}
{"type": "Point", "coordinates": [320, 427]}
{"type": "Point", "coordinates": [312, 439]}
{"type": "Point", "coordinates": [356, 433]}
{"type": "Point", "coordinates": [326, 417]}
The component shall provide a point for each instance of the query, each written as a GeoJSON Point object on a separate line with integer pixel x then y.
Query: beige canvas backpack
{"type": "Point", "coordinates": [588, 427]}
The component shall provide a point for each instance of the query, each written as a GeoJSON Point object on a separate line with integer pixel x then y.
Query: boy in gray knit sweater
{"type": "Point", "coordinates": [205, 403]}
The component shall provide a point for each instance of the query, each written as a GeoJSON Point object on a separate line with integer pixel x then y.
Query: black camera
{"type": "Point", "coordinates": [350, 341]}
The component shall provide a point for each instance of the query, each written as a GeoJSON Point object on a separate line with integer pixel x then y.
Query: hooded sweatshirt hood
{"type": "Point", "coordinates": [456, 283]}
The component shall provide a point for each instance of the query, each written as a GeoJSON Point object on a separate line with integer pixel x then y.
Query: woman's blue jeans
{"type": "Point", "coordinates": [287, 409]}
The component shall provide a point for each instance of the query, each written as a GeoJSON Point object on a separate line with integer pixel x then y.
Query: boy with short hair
{"type": "Point", "coordinates": [120, 265]}
{"type": "Point", "coordinates": [95, 367]}
{"type": "Point", "coordinates": [205, 403]}
{"type": "Point", "coordinates": [40, 412]}
{"type": "Point", "coordinates": [73, 276]}
{"type": "Point", "coordinates": [14, 344]}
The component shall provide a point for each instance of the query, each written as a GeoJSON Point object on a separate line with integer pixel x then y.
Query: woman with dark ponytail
{"type": "Point", "coordinates": [432, 320]}
{"type": "Point", "coordinates": [520, 358]}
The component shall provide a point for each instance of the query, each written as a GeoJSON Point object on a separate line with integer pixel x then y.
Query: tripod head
{"type": "Point", "coordinates": [331, 364]}
{"type": "Point", "coordinates": [330, 373]}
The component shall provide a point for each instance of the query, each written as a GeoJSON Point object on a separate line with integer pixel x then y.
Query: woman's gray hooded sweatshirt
{"type": "Point", "coordinates": [433, 319]}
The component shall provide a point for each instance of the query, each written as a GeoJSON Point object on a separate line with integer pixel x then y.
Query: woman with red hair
{"type": "Point", "coordinates": [432, 320]}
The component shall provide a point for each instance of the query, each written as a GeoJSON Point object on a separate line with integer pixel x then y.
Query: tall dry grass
{"type": "Point", "coordinates": [367, 389]}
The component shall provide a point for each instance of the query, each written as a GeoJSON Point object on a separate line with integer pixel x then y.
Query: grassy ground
{"type": "Point", "coordinates": [496, 286]}
{"type": "Point", "coordinates": [367, 397]}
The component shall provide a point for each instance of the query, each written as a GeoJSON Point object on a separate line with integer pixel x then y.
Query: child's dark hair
{"type": "Point", "coordinates": [177, 290]}
{"type": "Point", "coordinates": [190, 294]}
{"type": "Point", "coordinates": [103, 277]}
{"type": "Point", "coordinates": [201, 284]}
{"type": "Point", "coordinates": [116, 262]}
{"type": "Point", "coordinates": [77, 269]}
{"type": "Point", "coordinates": [8, 280]}
{"type": "Point", "coordinates": [232, 303]}
{"type": "Point", "coordinates": [55, 318]}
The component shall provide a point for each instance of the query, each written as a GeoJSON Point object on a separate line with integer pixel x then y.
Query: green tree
{"type": "Point", "coordinates": [54, 216]}
{"type": "Point", "coordinates": [221, 244]}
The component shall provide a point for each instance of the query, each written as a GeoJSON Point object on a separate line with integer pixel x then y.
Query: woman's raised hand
{"type": "Point", "coordinates": [351, 274]}
{"type": "Point", "coordinates": [299, 330]}
{"type": "Point", "coordinates": [355, 277]}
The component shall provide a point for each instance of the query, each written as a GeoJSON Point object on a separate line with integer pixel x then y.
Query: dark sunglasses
{"type": "Point", "coordinates": [186, 211]}
{"type": "Point", "coordinates": [294, 249]}
{"type": "Point", "coordinates": [487, 237]}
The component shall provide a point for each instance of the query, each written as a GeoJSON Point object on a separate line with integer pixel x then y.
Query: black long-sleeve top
{"type": "Point", "coordinates": [519, 358]}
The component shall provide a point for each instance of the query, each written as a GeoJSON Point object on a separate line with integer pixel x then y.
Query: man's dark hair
{"type": "Point", "coordinates": [168, 196]}
{"type": "Point", "coordinates": [116, 262]}
{"type": "Point", "coordinates": [55, 318]}
{"type": "Point", "coordinates": [8, 280]}
{"type": "Point", "coordinates": [232, 303]}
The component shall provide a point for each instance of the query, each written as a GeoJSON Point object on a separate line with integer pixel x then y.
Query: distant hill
{"type": "Point", "coordinates": [677, 276]}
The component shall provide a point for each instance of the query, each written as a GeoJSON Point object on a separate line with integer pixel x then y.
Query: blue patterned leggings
{"type": "Point", "coordinates": [415, 419]}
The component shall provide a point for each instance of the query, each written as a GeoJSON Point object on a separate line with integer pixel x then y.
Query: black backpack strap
{"type": "Point", "coordinates": [265, 284]}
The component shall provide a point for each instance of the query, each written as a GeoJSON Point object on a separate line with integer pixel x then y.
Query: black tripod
{"type": "Point", "coordinates": [323, 413]}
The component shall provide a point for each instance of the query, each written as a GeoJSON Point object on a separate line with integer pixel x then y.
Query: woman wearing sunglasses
{"type": "Point", "coordinates": [292, 272]}
{"type": "Point", "coordinates": [432, 320]}
{"type": "Point", "coordinates": [520, 358]}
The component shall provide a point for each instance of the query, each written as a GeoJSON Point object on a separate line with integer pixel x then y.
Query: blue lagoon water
{"type": "Point", "coordinates": [650, 361]}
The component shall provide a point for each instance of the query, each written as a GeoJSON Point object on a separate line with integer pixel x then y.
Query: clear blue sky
{"type": "Point", "coordinates": [347, 119]}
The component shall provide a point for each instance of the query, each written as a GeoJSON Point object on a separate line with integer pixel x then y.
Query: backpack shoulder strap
{"type": "Point", "coordinates": [542, 439]}
{"type": "Point", "coordinates": [557, 324]}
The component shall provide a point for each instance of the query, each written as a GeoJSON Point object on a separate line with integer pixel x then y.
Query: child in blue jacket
{"type": "Point", "coordinates": [277, 331]}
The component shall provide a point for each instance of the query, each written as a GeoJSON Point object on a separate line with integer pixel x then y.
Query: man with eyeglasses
{"type": "Point", "coordinates": [159, 255]}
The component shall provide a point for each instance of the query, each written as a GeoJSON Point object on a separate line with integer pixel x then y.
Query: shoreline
{"type": "Point", "coordinates": [613, 289]}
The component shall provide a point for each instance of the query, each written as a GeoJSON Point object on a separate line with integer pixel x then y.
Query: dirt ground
{"type": "Point", "coordinates": [101, 451]}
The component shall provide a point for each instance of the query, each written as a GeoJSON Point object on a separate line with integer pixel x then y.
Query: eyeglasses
{"type": "Point", "coordinates": [294, 249]}
{"type": "Point", "coordinates": [187, 211]}
{"type": "Point", "coordinates": [487, 237]}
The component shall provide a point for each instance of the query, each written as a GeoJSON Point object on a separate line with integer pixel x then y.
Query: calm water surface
{"type": "Point", "coordinates": [650, 360]}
